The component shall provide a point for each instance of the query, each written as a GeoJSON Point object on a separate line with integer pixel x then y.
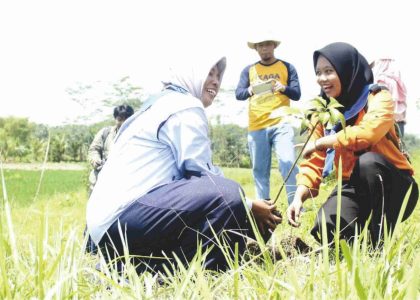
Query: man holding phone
{"type": "Point", "coordinates": [269, 84]}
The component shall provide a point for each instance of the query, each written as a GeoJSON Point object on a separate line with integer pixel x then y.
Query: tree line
{"type": "Point", "coordinates": [25, 141]}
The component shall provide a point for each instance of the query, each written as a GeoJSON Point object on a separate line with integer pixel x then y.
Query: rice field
{"type": "Point", "coordinates": [42, 254]}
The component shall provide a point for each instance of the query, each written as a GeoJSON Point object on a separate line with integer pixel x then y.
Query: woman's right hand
{"type": "Point", "coordinates": [309, 148]}
{"type": "Point", "coordinates": [264, 216]}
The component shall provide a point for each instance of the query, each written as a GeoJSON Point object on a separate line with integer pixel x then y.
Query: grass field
{"type": "Point", "coordinates": [41, 253]}
{"type": "Point", "coordinates": [22, 185]}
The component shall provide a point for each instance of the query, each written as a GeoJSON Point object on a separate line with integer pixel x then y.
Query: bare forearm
{"type": "Point", "coordinates": [302, 193]}
{"type": "Point", "coordinates": [325, 142]}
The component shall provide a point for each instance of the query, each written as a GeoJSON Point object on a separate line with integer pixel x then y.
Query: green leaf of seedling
{"type": "Point", "coordinates": [309, 113]}
{"type": "Point", "coordinates": [303, 128]}
{"type": "Point", "coordinates": [334, 103]}
{"type": "Point", "coordinates": [324, 117]}
{"type": "Point", "coordinates": [334, 115]}
{"type": "Point", "coordinates": [321, 101]}
{"type": "Point", "coordinates": [317, 104]}
{"type": "Point", "coordinates": [343, 122]}
{"type": "Point", "coordinates": [337, 116]}
{"type": "Point", "coordinates": [304, 125]}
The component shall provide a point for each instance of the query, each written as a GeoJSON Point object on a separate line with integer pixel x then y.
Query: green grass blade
{"type": "Point", "coordinates": [38, 189]}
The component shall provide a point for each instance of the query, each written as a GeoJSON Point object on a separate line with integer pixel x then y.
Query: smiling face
{"type": "Point", "coordinates": [211, 87]}
{"type": "Point", "coordinates": [327, 78]}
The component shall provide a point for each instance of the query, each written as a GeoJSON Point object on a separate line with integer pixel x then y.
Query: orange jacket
{"type": "Point", "coordinates": [367, 134]}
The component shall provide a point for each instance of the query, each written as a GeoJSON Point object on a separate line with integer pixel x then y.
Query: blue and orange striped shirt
{"type": "Point", "coordinates": [261, 105]}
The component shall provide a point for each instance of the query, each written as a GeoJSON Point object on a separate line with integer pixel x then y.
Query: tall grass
{"type": "Point", "coordinates": [42, 256]}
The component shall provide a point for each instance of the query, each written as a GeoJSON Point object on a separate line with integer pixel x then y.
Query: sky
{"type": "Point", "coordinates": [50, 46]}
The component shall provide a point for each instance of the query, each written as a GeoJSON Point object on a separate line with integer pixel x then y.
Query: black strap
{"type": "Point", "coordinates": [105, 134]}
{"type": "Point", "coordinates": [376, 88]}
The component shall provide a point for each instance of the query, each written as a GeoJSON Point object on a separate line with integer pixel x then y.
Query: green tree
{"type": "Point", "coordinates": [229, 145]}
{"type": "Point", "coordinates": [58, 148]}
{"type": "Point", "coordinates": [7, 147]}
{"type": "Point", "coordinates": [19, 129]}
{"type": "Point", "coordinates": [40, 132]}
{"type": "Point", "coordinates": [38, 148]}
{"type": "Point", "coordinates": [15, 136]}
{"type": "Point", "coordinates": [78, 136]}
{"type": "Point", "coordinates": [76, 140]}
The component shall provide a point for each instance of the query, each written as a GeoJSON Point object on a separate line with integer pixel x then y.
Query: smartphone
{"type": "Point", "coordinates": [262, 88]}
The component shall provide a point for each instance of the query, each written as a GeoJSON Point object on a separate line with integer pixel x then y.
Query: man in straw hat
{"type": "Point", "coordinates": [269, 84]}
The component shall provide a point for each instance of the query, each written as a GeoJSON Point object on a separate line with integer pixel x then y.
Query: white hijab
{"type": "Point", "coordinates": [192, 78]}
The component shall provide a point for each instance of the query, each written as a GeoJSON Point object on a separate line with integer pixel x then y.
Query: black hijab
{"type": "Point", "coordinates": [352, 69]}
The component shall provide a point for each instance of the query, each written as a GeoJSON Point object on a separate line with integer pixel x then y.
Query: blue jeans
{"type": "Point", "coordinates": [260, 143]}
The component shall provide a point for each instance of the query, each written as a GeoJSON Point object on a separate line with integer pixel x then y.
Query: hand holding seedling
{"type": "Point", "coordinates": [266, 215]}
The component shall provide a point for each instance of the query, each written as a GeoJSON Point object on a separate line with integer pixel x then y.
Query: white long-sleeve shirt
{"type": "Point", "coordinates": [153, 148]}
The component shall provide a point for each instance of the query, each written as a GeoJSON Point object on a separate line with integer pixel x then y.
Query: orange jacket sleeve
{"type": "Point", "coordinates": [374, 125]}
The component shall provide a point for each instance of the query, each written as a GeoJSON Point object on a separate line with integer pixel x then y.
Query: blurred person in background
{"type": "Point", "coordinates": [103, 141]}
{"type": "Point", "coordinates": [386, 72]}
{"type": "Point", "coordinates": [99, 151]}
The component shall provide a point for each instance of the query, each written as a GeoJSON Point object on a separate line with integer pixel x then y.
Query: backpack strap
{"type": "Point", "coordinates": [105, 133]}
{"type": "Point", "coordinates": [376, 88]}
{"type": "Point", "coordinates": [397, 141]}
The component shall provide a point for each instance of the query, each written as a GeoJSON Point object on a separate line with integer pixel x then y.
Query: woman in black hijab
{"type": "Point", "coordinates": [375, 173]}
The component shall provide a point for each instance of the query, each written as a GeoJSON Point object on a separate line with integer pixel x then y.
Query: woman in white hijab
{"type": "Point", "coordinates": [159, 189]}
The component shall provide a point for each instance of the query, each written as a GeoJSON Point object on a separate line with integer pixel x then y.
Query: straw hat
{"type": "Point", "coordinates": [263, 38]}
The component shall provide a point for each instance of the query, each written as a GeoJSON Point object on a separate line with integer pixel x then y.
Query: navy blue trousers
{"type": "Point", "coordinates": [174, 218]}
{"type": "Point", "coordinates": [376, 187]}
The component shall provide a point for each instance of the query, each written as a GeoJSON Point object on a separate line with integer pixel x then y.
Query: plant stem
{"type": "Point", "coordinates": [295, 162]}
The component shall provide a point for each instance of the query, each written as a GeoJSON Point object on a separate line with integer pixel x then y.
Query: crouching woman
{"type": "Point", "coordinates": [158, 195]}
{"type": "Point", "coordinates": [376, 175]}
